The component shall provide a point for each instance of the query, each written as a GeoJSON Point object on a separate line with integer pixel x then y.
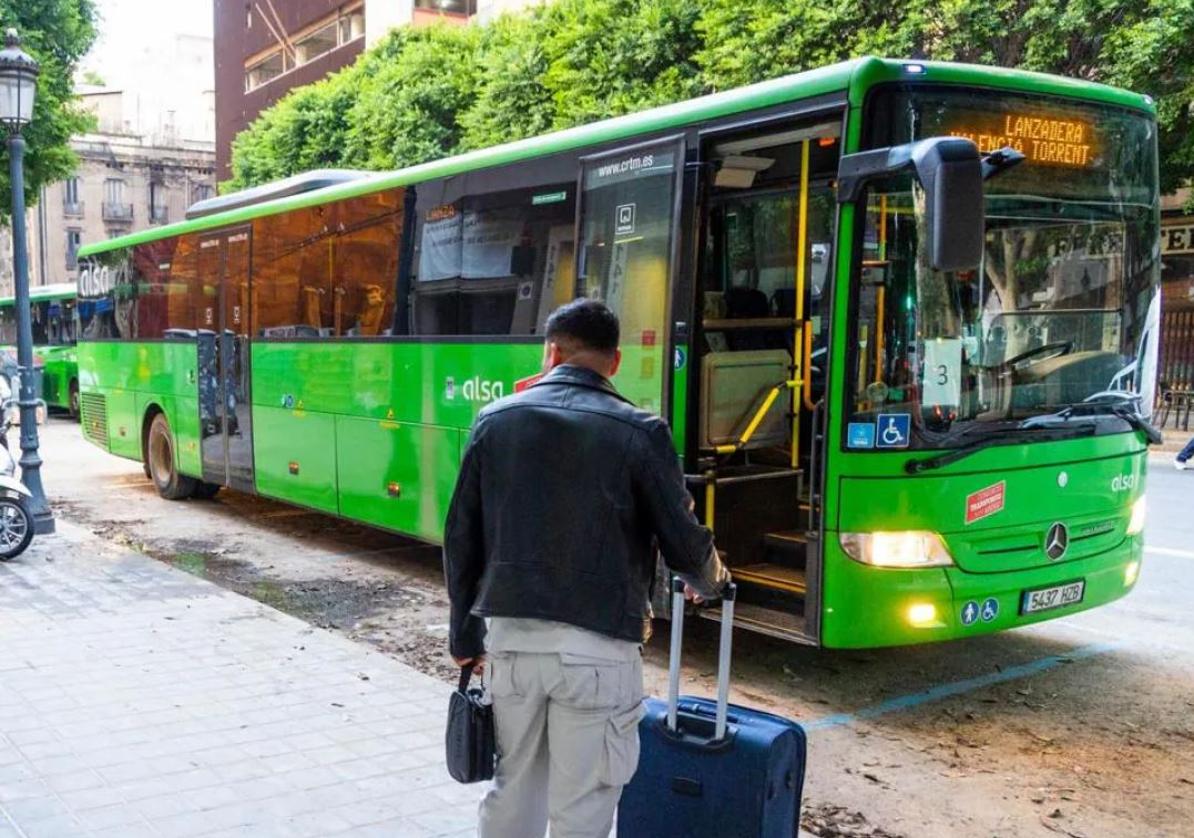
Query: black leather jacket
{"type": "Point", "coordinates": [565, 493]}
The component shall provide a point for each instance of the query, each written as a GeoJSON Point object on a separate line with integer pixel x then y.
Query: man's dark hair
{"type": "Point", "coordinates": [584, 324]}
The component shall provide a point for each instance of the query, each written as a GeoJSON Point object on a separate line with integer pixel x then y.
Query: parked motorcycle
{"type": "Point", "coordinates": [16, 522]}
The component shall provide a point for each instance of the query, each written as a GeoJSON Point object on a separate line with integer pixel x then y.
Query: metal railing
{"type": "Point", "coordinates": [1176, 370]}
{"type": "Point", "coordinates": [72, 208]}
{"type": "Point", "coordinates": [118, 212]}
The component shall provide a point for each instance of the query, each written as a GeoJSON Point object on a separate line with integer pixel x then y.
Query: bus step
{"type": "Point", "coordinates": [778, 577]}
{"type": "Point", "coordinates": [786, 540]}
{"type": "Point", "coordinates": [786, 625]}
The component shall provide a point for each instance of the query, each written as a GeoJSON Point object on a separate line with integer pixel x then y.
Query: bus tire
{"type": "Point", "coordinates": [73, 404]}
{"type": "Point", "coordinates": [204, 490]}
{"type": "Point", "coordinates": [159, 456]}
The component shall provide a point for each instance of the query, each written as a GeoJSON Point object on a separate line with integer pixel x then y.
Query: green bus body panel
{"type": "Point", "coordinates": [420, 460]}
{"type": "Point", "coordinates": [60, 367]}
{"type": "Point", "coordinates": [866, 607]}
{"type": "Point", "coordinates": [304, 439]}
{"type": "Point", "coordinates": [133, 377]}
{"type": "Point", "coordinates": [1001, 555]}
{"type": "Point", "coordinates": [441, 384]}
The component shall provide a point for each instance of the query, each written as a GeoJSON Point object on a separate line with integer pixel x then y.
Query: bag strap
{"type": "Point", "coordinates": [466, 674]}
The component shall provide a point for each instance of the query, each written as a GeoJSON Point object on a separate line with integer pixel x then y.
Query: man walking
{"type": "Point", "coordinates": [565, 491]}
{"type": "Point", "coordinates": [1182, 461]}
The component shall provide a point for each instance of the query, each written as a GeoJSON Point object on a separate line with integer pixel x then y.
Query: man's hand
{"type": "Point", "coordinates": [691, 595]}
{"type": "Point", "coordinates": [478, 663]}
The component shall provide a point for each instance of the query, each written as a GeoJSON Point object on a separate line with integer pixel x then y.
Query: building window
{"type": "Point", "coordinates": [352, 26]}
{"type": "Point", "coordinates": [265, 69]}
{"type": "Point", "coordinates": [74, 240]}
{"type": "Point", "coordinates": [201, 192]}
{"type": "Point", "coordinates": [157, 203]}
{"type": "Point", "coordinates": [455, 7]}
{"type": "Point", "coordinates": [115, 209]}
{"type": "Point", "coordinates": [320, 39]}
{"type": "Point", "coordinates": [71, 205]}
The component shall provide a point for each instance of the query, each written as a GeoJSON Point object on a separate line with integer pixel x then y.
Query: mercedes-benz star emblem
{"type": "Point", "coordinates": [1057, 541]}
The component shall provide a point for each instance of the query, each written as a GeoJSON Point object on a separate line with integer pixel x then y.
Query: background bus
{"type": "Point", "coordinates": [888, 453]}
{"type": "Point", "coordinates": [53, 312]}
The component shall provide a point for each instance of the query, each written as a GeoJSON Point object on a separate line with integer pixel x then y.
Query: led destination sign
{"type": "Point", "coordinates": [1042, 139]}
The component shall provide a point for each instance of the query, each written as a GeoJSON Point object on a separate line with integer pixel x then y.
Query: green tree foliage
{"type": "Point", "coordinates": [425, 93]}
{"type": "Point", "coordinates": [409, 109]}
{"type": "Point", "coordinates": [57, 33]}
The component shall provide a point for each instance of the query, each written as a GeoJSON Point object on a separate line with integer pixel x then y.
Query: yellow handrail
{"type": "Point", "coordinates": [798, 325]}
{"type": "Point", "coordinates": [757, 419]}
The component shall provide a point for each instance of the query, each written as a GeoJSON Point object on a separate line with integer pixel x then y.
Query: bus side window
{"type": "Point", "coordinates": [494, 260]}
{"type": "Point", "coordinates": [365, 253]}
{"type": "Point", "coordinates": [292, 292]}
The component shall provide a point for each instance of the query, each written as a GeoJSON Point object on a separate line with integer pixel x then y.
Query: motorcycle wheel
{"type": "Point", "coordinates": [16, 527]}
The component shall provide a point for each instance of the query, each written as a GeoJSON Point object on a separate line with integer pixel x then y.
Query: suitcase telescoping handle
{"type": "Point", "coordinates": [728, 595]}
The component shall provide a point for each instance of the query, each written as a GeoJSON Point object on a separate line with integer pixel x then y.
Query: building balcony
{"type": "Point", "coordinates": [72, 209]}
{"type": "Point", "coordinates": [158, 215]}
{"type": "Point", "coordinates": [118, 212]}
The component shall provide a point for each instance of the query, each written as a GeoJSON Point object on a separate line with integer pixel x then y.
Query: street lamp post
{"type": "Point", "coordinates": [18, 84]}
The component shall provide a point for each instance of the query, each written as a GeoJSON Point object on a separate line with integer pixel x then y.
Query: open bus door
{"type": "Point", "coordinates": [767, 217]}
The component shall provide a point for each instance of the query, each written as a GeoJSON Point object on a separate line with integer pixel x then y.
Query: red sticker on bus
{"type": "Point", "coordinates": [648, 337]}
{"type": "Point", "coordinates": [985, 502]}
{"type": "Point", "coordinates": [530, 381]}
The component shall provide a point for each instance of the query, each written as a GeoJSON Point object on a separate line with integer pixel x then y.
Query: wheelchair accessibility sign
{"type": "Point", "coordinates": [893, 430]}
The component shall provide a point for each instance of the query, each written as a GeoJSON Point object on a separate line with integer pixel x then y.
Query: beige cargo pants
{"type": "Point", "coordinates": [567, 740]}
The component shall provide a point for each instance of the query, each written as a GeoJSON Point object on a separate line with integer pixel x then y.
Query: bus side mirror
{"type": "Point", "coordinates": [950, 170]}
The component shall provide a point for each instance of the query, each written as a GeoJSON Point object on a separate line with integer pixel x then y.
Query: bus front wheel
{"type": "Point", "coordinates": [160, 458]}
{"type": "Point", "coordinates": [74, 401]}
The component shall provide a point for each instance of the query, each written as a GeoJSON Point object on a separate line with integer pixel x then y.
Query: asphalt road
{"type": "Point", "coordinates": [1082, 726]}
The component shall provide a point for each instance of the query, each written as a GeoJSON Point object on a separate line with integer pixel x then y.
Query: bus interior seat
{"type": "Point", "coordinates": [733, 385]}
{"type": "Point", "coordinates": [743, 302]}
{"type": "Point", "coordinates": [371, 310]}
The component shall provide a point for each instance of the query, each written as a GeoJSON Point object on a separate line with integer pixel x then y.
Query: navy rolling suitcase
{"type": "Point", "coordinates": [709, 769]}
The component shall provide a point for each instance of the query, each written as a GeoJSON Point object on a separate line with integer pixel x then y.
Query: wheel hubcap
{"type": "Point", "coordinates": [13, 526]}
{"type": "Point", "coordinates": [161, 458]}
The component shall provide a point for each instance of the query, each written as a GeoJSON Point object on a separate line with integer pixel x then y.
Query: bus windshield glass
{"type": "Point", "coordinates": [1065, 305]}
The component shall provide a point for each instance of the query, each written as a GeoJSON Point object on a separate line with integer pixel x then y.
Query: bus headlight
{"type": "Point", "coordinates": [1131, 574]}
{"type": "Point", "coordinates": [1136, 522]}
{"type": "Point", "coordinates": [896, 549]}
{"type": "Point", "coordinates": [923, 615]}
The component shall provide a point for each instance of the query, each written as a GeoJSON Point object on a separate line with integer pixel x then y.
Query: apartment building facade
{"type": "Point", "coordinates": [124, 182]}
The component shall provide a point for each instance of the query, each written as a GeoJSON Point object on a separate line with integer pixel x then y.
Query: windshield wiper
{"type": "Point", "coordinates": [1122, 408]}
{"type": "Point", "coordinates": [1052, 432]}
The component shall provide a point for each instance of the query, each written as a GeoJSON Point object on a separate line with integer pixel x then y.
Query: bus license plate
{"type": "Point", "coordinates": [1055, 597]}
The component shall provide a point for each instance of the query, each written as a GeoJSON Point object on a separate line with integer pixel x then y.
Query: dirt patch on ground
{"type": "Point", "coordinates": [827, 821]}
{"type": "Point", "coordinates": [401, 615]}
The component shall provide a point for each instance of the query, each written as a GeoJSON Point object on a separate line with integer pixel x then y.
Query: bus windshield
{"type": "Point", "coordinates": [1065, 305]}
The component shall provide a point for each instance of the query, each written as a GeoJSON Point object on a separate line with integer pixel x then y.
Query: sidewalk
{"type": "Point", "coordinates": [138, 700]}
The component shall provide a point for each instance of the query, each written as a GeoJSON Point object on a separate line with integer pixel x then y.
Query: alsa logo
{"type": "Point", "coordinates": [475, 389]}
{"type": "Point", "coordinates": [1124, 483]}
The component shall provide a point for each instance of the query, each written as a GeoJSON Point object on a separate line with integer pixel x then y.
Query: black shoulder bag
{"type": "Point", "coordinates": [470, 738]}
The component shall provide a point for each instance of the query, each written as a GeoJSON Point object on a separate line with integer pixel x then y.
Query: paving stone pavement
{"type": "Point", "coordinates": [138, 700]}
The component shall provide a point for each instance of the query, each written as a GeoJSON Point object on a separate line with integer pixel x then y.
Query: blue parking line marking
{"type": "Point", "coordinates": [938, 693]}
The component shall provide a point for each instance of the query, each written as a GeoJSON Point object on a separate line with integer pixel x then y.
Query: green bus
{"type": "Point", "coordinates": [53, 319]}
{"type": "Point", "coordinates": [901, 317]}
